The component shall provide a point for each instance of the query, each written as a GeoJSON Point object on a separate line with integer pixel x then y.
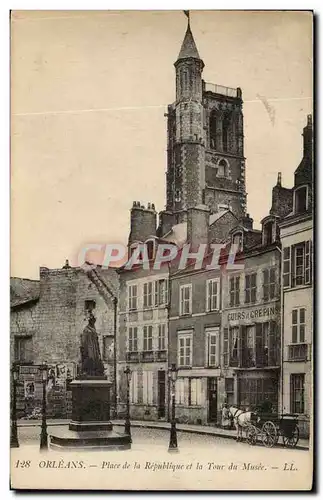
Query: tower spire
{"type": "Point", "coordinates": [188, 48]}
{"type": "Point", "coordinates": [187, 14]}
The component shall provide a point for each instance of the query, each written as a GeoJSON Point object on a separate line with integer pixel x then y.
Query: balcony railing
{"type": "Point", "coordinates": [161, 355]}
{"type": "Point", "coordinates": [297, 352]}
{"type": "Point", "coordinates": [133, 357]}
{"type": "Point", "coordinates": [146, 356]}
{"type": "Point", "coordinates": [255, 358]}
{"type": "Point", "coordinates": [221, 89]}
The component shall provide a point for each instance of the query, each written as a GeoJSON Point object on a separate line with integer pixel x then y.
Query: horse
{"type": "Point", "coordinates": [242, 420]}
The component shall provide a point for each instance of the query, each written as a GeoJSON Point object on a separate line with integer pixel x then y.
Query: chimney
{"type": "Point", "coordinates": [142, 222]}
{"type": "Point", "coordinates": [308, 138]}
{"type": "Point", "coordinates": [198, 226]}
{"type": "Point", "coordinates": [247, 221]}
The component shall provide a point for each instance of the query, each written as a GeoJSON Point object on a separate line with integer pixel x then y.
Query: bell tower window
{"type": "Point", "coordinates": [213, 131]}
{"type": "Point", "coordinates": [225, 134]}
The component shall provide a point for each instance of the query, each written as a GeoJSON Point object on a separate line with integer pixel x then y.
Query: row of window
{"type": "Point", "coordinates": [188, 391]}
{"type": "Point", "coordinates": [147, 341]}
{"type": "Point", "coordinates": [155, 294]}
{"type": "Point", "coordinates": [269, 288]}
{"type": "Point", "coordinates": [185, 348]}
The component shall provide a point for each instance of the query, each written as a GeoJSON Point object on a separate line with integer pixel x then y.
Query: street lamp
{"type": "Point", "coordinates": [43, 434]}
{"type": "Point", "coordinates": [127, 427]}
{"type": "Point", "coordinates": [173, 434]}
{"type": "Point", "coordinates": [14, 443]}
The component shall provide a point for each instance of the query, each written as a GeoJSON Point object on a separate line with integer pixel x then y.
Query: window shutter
{"type": "Point", "coordinates": [139, 378]}
{"type": "Point", "coordinates": [265, 284]}
{"type": "Point", "coordinates": [186, 391]}
{"type": "Point", "coordinates": [253, 285]}
{"type": "Point", "coordinates": [135, 387]}
{"type": "Point", "coordinates": [166, 292]}
{"type": "Point", "coordinates": [226, 347]}
{"type": "Point", "coordinates": [272, 344]}
{"type": "Point", "coordinates": [216, 295]}
{"type": "Point", "coordinates": [241, 344]}
{"type": "Point", "coordinates": [208, 283]}
{"type": "Point", "coordinates": [287, 267]}
{"type": "Point", "coordinates": [237, 292]}
{"type": "Point", "coordinates": [260, 358]}
{"type": "Point", "coordinates": [156, 287]}
{"type": "Point", "coordinates": [308, 263]}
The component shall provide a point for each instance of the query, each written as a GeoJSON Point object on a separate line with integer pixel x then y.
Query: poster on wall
{"type": "Point", "coordinates": [29, 389]}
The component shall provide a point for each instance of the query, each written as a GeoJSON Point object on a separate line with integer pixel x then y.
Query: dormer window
{"type": "Point", "coordinates": [237, 240]}
{"type": "Point", "coordinates": [268, 233]}
{"type": "Point", "coordinates": [300, 200]}
{"type": "Point", "coordinates": [150, 246]}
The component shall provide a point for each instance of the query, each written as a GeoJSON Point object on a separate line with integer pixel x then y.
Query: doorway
{"type": "Point", "coordinates": [161, 393]}
{"type": "Point", "coordinates": [213, 399]}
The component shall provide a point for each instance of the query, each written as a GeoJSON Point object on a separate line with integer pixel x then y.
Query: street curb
{"type": "Point", "coordinates": [196, 431]}
{"type": "Point", "coordinates": [151, 425]}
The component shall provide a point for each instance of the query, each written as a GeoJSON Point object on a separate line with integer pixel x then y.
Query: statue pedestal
{"type": "Point", "coordinates": [90, 427]}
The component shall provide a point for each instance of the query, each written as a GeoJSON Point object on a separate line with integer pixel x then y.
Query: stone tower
{"type": "Point", "coordinates": [205, 153]}
{"type": "Point", "coordinates": [186, 137]}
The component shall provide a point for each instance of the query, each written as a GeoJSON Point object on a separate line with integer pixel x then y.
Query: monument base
{"type": "Point", "coordinates": [90, 427]}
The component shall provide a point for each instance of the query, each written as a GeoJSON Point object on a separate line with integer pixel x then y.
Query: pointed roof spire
{"type": "Point", "coordinates": [188, 48]}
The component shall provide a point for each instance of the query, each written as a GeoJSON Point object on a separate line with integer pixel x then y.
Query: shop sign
{"type": "Point", "coordinates": [266, 312]}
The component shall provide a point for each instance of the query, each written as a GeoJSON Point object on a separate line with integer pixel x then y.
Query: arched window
{"type": "Point", "coordinates": [300, 200]}
{"type": "Point", "coordinates": [213, 130]}
{"type": "Point", "coordinates": [222, 168]}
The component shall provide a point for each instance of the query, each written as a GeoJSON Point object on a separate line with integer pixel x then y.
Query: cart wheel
{"type": "Point", "coordinates": [252, 433]}
{"type": "Point", "coordinates": [269, 434]}
{"type": "Point", "coordinates": [293, 439]}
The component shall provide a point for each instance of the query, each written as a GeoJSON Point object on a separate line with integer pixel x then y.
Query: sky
{"type": "Point", "coordinates": [89, 90]}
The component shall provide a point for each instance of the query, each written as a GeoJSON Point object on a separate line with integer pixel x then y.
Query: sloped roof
{"type": "Point", "coordinates": [188, 48]}
{"type": "Point", "coordinates": [177, 235]}
{"type": "Point", "coordinates": [23, 290]}
{"type": "Point", "coordinates": [217, 215]}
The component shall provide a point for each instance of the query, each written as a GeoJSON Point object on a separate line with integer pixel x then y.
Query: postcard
{"type": "Point", "coordinates": [161, 327]}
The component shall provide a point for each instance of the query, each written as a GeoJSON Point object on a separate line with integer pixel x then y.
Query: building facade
{"type": "Point", "coordinates": [297, 292]}
{"type": "Point", "coordinates": [47, 319]}
{"type": "Point", "coordinates": [143, 342]}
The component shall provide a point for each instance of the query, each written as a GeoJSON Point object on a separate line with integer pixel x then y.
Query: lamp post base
{"type": "Point", "coordinates": [173, 439]}
{"type": "Point", "coordinates": [14, 443]}
{"type": "Point", "coordinates": [127, 427]}
{"type": "Point", "coordinates": [44, 440]}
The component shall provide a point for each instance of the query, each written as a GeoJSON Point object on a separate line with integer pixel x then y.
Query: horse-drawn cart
{"type": "Point", "coordinates": [271, 427]}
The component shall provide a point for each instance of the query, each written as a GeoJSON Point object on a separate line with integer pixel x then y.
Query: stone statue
{"type": "Point", "coordinates": [91, 363]}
